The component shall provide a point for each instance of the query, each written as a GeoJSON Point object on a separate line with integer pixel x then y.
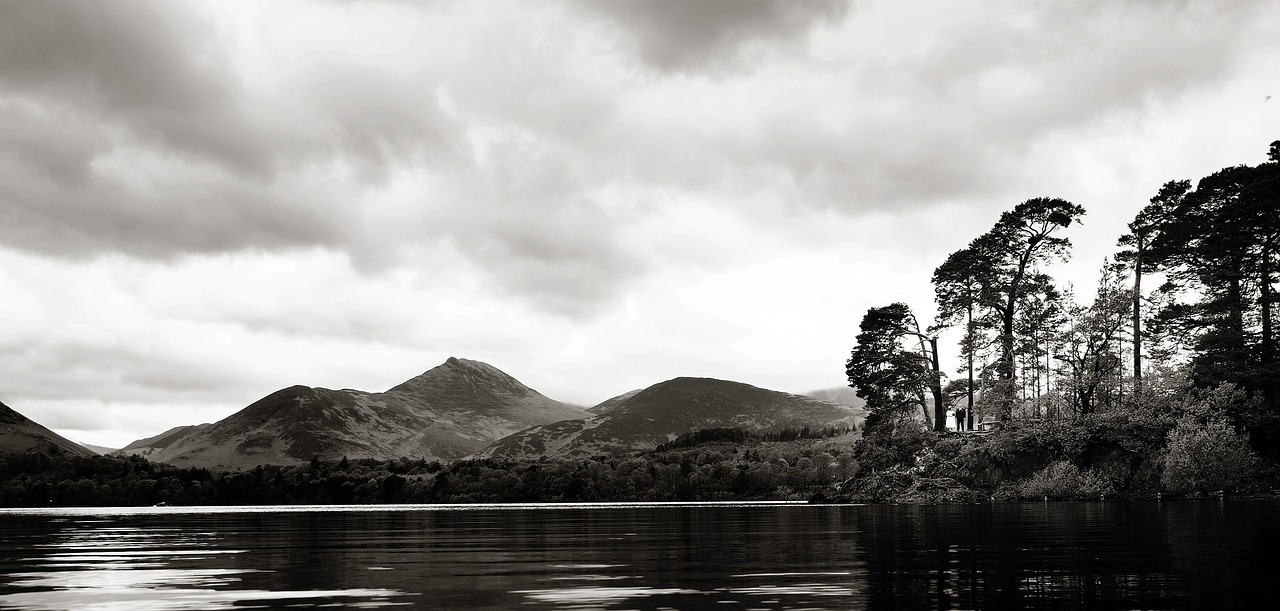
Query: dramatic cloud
{"type": "Point", "coordinates": [689, 36]}
{"type": "Point", "coordinates": [203, 201]}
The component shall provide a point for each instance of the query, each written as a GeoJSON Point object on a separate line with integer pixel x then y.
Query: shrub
{"type": "Point", "coordinates": [949, 448]}
{"type": "Point", "coordinates": [879, 487]}
{"type": "Point", "coordinates": [1063, 480]}
{"type": "Point", "coordinates": [887, 447]}
{"type": "Point", "coordinates": [1206, 458]}
{"type": "Point", "coordinates": [1022, 448]}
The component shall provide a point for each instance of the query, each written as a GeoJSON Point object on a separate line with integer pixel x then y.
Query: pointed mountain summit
{"type": "Point", "coordinates": [643, 419]}
{"type": "Point", "coordinates": [20, 434]}
{"type": "Point", "coordinates": [446, 413]}
{"type": "Point", "coordinates": [481, 386]}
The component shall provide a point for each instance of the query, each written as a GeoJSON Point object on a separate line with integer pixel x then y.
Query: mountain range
{"type": "Point", "coordinates": [446, 413]}
{"type": "Point", "coordinates": [464, 408]}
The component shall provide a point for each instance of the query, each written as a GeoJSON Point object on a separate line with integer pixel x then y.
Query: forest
{"type": "Point", "coordinates": [710, 465]}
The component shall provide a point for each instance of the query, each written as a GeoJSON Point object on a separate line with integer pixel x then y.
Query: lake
{"type": "Point", "coordinates": [1100, 555]}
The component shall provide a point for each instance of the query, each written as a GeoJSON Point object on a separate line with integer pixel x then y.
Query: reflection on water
{"type": "Point", "coordinates": [92, 564]}
{"type": "Point", "coordinates": [1060, 555]}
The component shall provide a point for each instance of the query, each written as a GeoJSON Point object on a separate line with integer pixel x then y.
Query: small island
{"type": "Point", "coordinates": [1172, 391]}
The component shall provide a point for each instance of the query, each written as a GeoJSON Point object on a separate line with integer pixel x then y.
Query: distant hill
{"type": "Point", "coordinates": [150, 445]}
{"type": "Point", "coordinates": [100, 450]}
{"type": "Point", "coordinates": [448, 412]}
{"type": "Point", "coordinates": [843, 395]}
{"type": "Point", "coordinates": [609, 404]}
{"type": "Point", "coordinates": [658, 414]}
{"type": "Point", "coordinates": [20, 434]}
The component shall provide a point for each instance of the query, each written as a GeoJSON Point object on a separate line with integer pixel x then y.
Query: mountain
{"type": "Point", "coordinates": [643, 419]}
{"type": "Point", "coordinates": [150, 445]}
{"type": "Point", "coordinates": [448, 412]}
{"type": "Point", "coordinates": [20, 434]}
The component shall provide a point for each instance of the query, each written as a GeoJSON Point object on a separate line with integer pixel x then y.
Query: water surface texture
{"type": "Point", "coordinates": [755, 556]}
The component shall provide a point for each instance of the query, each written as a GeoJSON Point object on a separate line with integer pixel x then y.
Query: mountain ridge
{"type": "Point", "coordinates": [645, 418]}
{"type": "Point", "coordinates": [445, 413]}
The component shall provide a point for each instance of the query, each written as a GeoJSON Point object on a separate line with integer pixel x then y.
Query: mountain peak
{"type": "Point", "coordinates": [467, 364]}
{"type": "Point", "coordinates": [447, 412]}
{"type": "Point", "coordinates": [456, 374]}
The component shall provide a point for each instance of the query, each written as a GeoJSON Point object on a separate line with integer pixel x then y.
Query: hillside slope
{"type": "Point", "coordinates": [660, 413]}
{"type": "Point", "coordinates": [150, 445]}
{"type": "Point", "coordinates": [19, 434]}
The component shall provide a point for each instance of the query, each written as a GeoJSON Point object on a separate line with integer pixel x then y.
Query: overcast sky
{"type": "Point", "coordinates": [201, 203]}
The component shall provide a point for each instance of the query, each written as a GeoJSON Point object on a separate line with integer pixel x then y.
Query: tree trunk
{"type": "Point", "coordinates": [939, 407]}
{"type": "Point", "coordinates": [1235, 301]}
{"type": "Point", "coordinates": [1137, 319]}
{"type": "Point", "coordinates": [1267, 356]}
{"type": "Point", "coordinates": [1264, 285]}
{"type": "Point", "coordinates": [969, 408]}
{"type": "Point", "coordinates": [1005, 401]}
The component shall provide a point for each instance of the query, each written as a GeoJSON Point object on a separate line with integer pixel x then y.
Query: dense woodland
{"type": "Point", "coordinates": [1166, 382]}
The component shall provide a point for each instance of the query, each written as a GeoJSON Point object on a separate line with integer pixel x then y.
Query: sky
{"type": "Point", "coordinates": [204, 202]}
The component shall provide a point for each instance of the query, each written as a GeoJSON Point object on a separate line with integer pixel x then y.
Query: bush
{"type": "Point", "coordinates": [1206, 458]}
{"type": "Point", "coordinates": [879, 487]}
{"type": "Point", "coordinates": [1063, 480]}
{"type": "Point", "coordinates": [885, 447]}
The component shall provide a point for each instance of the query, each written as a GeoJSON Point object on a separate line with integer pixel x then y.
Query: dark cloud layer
{"type": "Point", "coordinates": [674, 35]}
{"type": "Point", "coordinates": [155, 129]}
{"type": "Point", "coordinates": [156, 70]}
{"type": "Point", "coordinates": [132, 128]}
{"type": "Point", "coordinates": [88, 81]}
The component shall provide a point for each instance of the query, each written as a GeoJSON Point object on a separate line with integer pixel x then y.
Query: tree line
{"type": "Point", "coordinates": [1187, 300]}
{"type": "Point", "coordinates": [709, 465]}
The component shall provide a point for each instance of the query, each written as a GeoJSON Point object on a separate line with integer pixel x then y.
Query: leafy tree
{"type": "Point", "coordinates": [998, 269]}
{"type": "Point", "coordinates": [1219, 247]}
{"type": "Point", "coordinates": [1086, 343]}
{"type": "Point", "coordinates": [1143, 230]}
{"type": "Point", "coordinates": [960, 294]}
{"type": "Point", "coordinates": [1041, 314]}
{"type": "Point", "coordinates": [889, 375]}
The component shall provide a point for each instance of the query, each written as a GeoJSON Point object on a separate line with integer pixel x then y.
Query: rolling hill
{"type": "Point", "coordinates": [643, 419]}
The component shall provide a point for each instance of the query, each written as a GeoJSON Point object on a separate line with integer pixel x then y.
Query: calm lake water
{"type": "Point", "coordinates": [1149, 555]}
